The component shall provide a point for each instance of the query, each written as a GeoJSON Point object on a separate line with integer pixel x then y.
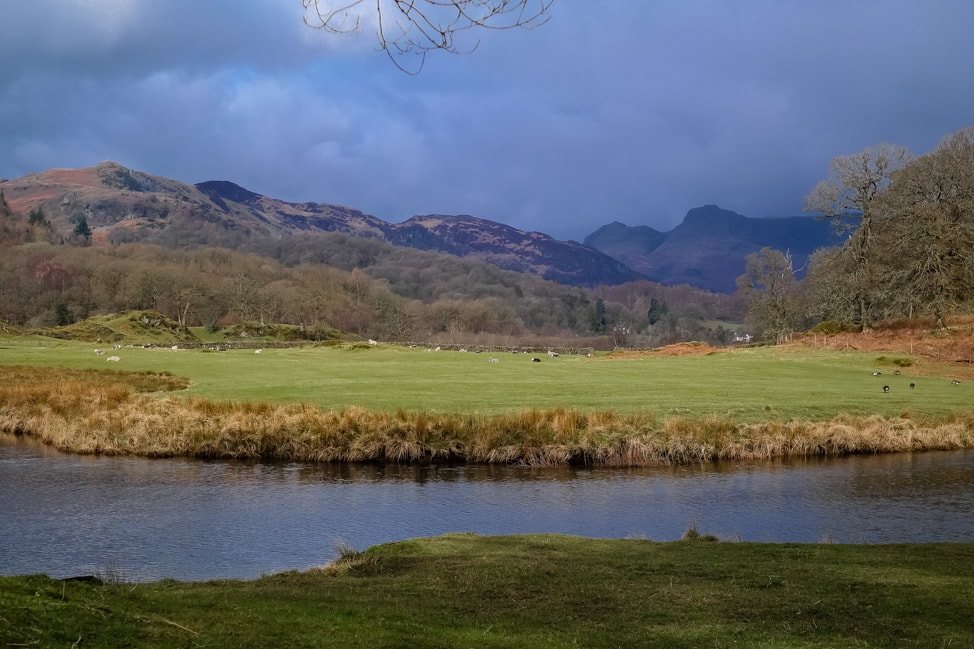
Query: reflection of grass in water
{"type": "Point", "coordinates": [693, 534]}
{"type": "Point", "coordinates": [112, 574]}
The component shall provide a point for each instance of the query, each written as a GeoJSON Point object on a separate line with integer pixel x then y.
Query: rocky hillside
{"type": "Point", "coordinates": [707, 250]}
{"type": "Point", "coordinates": [566, 262]}
{"type": "Point", "coordinates": [120, 205]}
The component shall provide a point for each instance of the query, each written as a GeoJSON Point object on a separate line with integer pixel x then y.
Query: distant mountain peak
{"type": "Point", "coordinates": [224, 189]}
{"type": "Point", "coordinates": [709, 248]}
{"type": "Point", "coordinates": [711, 214]}
{"type": "Point", "coordinates": [126, 205]}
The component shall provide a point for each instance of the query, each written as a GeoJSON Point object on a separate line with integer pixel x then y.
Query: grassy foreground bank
{"type": "Point", "coordinates": [531, 591]}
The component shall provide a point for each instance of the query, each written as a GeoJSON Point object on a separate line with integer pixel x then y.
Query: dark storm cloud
{"type": "Point", "coordinates": [613, 110]}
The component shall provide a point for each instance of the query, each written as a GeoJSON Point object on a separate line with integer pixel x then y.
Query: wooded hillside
{"type": "Point", "coordinates": [364, 288]}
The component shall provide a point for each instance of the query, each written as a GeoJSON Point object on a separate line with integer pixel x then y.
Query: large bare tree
{"type": "Point", "coordinates": [848, 196]}
{"type": "Point", "coordinates": [769, 290]}
{"type": "Point", "coordinates": [415, 27]}
{"type": "Point", "coordinates": [926, 231]}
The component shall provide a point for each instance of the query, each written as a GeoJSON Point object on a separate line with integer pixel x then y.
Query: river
{"type": "Point", "coordinates": [142, 520]}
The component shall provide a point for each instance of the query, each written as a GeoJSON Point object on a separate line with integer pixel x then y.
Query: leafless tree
{"type": "Point", "coordinates": [827, 288]}
{"type": "Point", "coordinates": [769, 290]}
{"type": "Point", "coordinates": [415, 27]}
{"type": "Point", "coordinates": [849, 195]}
{"type": "Point", "coordinates": [926, 232]}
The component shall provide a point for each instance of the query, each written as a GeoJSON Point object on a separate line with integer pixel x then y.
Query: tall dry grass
{"type": "Point", "coordinates": [108, 414]}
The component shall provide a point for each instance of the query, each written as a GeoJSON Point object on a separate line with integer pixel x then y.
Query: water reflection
{"type": "Point", "coordinates": [66, 515]}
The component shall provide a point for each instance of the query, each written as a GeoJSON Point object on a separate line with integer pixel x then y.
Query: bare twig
{"type": "Point", "coordinates": [415, 27]}
{"type": "Point", "coordinates": [178, 626]}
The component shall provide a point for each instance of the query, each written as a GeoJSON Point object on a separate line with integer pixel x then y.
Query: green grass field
{"type": "Point", "coordinates": [746, 385]}
{"type": "Point", "coordinates": [531, 591]}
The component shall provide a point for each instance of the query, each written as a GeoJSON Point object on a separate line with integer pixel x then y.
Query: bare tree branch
{"type": "Point", "coordinates": [415, 27]}
{"type": "Point", "coordinates": [850, 192]}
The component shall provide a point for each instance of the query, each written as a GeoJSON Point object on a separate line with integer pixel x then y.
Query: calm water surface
{"type": "Point", "coordinates": [147, 519]}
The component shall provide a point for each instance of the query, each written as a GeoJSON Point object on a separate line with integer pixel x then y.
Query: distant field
{"type": "Point", "coordinates": [747, 385]}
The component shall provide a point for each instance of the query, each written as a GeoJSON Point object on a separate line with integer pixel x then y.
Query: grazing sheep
{"type": "Point", "coordinates": [535, 360]}
{"type": "Point", "coordinates": [113, 358]}
{"type": "Point", "coordinates": [897, 372]}
{"type": "Point", "coordinates": [373, 342]}
{"type": "Point", "coordinates": [877, 373]}
{"type": "Point", "coordinates": [257, 351]}
{"type": "Point", "coordinates": [955, 382]}
{"type": "Point", "coordinates": [174, 347]}
{"type": "Point", "coordinates": [885, 388]}
{"type": "Point", "coordinates": [492, 360]}
{"type": "Point", "coordinates": [913, 385]}
{"type": "Point", "coordinates": [99, 351]}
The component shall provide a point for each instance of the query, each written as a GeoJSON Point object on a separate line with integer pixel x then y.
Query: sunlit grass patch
{"type": "Point", "coordinates": [389, 404]}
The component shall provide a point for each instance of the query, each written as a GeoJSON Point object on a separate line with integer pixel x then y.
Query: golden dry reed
{"type": "Point", "coordinates": [106, 414]}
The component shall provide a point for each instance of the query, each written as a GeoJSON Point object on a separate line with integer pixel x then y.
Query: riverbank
{"type": "Point", "coordinates": [108, 413]}
{"type": "Point", "coordinates": [531, 591]}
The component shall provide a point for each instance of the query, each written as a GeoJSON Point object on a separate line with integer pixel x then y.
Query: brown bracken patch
{"type": "Point", "coordinates": [678, 349]}
{"type": "Point", "coordinates": [920, 338]}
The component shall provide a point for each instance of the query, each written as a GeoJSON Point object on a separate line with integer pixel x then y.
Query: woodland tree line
{"type": "Point", "coordinates": [365, 288]}
{"type": "Point", "coordinates": [909, 251]}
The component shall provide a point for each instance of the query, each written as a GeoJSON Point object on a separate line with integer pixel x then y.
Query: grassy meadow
{"type": "Point", "coordinates": [746, 385]}
{"type": "Point", "coordinates": [358, 402]}
{"type": "Point", "coordinates": [531, 591]}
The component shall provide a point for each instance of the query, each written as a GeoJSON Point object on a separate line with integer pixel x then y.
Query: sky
{"type": "Point", "coordinates": [613, 110]}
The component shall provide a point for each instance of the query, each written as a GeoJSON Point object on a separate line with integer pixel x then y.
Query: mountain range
{"type": "Point", "coordinates": [706, 250]}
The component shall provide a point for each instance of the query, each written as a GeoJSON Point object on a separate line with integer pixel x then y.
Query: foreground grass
{"type": "Point", "coordinates": [531, 591]}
